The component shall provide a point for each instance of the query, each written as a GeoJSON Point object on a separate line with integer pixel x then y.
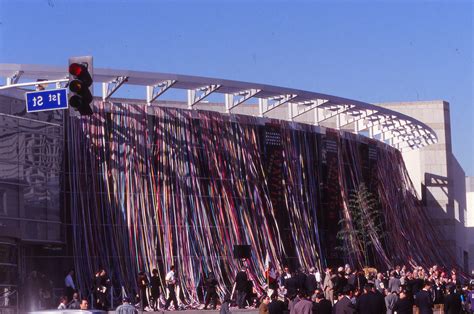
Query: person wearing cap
{"type": "Point", "coordinates": [126, 307]}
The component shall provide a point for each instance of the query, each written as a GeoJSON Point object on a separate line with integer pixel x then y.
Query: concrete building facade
{"type": "Point", "coordinates": [32, 234]}
{"type": "Point", "coordinates": [470, 220]}
{"type": "Point", "coordinates": [439, 178]}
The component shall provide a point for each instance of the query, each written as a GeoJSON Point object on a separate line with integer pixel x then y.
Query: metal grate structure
{"type": "Point", "coordinates": [396, 129]}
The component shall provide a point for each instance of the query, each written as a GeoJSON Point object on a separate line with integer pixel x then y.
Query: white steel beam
{"type": "Point", "coordinates": [108, 89]}
{"type": "Point", "coordinates": [196, 95]}
{"type": "Point", "coordinates": [14, 78]}
{"type": "Point", "coordinates": [308, 106]}
{"type": "Point", "coordinates": [155, 91]}
{"type": "Point", "coordinates": [357, 117]}
{"type": "Point", "coordinates": [236, 99]}
{"type": "Point", "coordinates": [392, 126]}
{"type": "Point", "coordinates": [279, 101]}
{"type": "Point", "coordinates": [334, 110]}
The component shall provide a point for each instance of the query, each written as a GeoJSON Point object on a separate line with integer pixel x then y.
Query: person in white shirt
{"type": "Point", "coordinates": [62, 303]}
{"type": "Point", "coordinates": [171, 284]}
{"type": "Point", "coordinates": [317, 274]}
{"type": "Point", "coordinates": [70, 287]}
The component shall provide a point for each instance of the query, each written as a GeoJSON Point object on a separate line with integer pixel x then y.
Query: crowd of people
{"type": "Point", "coordinates": [336, 291]}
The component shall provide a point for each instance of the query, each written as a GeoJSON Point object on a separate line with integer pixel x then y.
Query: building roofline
{"type": "Point", "coordinates": [396, 129]}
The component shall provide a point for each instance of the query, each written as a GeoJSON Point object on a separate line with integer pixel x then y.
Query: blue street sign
{"type": "Point", "coordinates": [46, 100]}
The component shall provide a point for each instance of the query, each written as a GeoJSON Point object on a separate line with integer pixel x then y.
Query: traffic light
{"type": "Point", "coordinates": [80, 83]}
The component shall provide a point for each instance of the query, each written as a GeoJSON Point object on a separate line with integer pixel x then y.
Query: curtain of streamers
{"type": "Point", "coordinates": [154, 187]}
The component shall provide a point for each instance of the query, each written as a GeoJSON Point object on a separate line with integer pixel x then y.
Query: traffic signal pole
{"type": "Point", "coordinates": [33, 83]}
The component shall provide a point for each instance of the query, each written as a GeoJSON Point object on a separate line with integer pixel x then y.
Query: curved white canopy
{"type": "Point", "coordinates": [396, 129]}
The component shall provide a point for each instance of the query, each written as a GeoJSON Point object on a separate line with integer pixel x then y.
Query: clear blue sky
{"type": "Point", "coordinates": [374, 51]}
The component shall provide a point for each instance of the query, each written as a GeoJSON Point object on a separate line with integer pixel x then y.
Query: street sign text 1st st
{"type": "Point", "coordinates": [46, 100]}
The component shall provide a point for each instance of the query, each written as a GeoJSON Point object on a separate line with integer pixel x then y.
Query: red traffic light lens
{"type": "Point", "coordinates": [76, 69]}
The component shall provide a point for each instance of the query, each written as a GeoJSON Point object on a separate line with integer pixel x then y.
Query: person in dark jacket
{"type": "Point", "coordinates": [371, 301]}
{"type": "Point", "coordinates": [321, 305]}
{"type": "Point", "coordinates": [101, 289]}
{"type": "Point", "coordinates": [142, 284]}
{"type": "Point", "coordinates": [344, 304]}
{"type": "Point", "coordinates": [424, 300]}
{"type": "Point", "coordinates": [340, 281]}
{"type": "Point", "coordinates": [276, 306]}
{"type": "Point", "coordinates": [390, 299]}
{"type": "Point", "coordinates": [359, 281]}
{"type": "Point", "coordinates": [404, 305]}
{"type": "Point", "coordinates": [286, 274]}
{"type": "Point", "coordinates": [300, 280]}
{"type": "Point", "coordinates": [211, 293]}
{"type": "Point", "coordinates": [311, 284]}
{"type": "Point", "coordinates": [378, 301]}
{"type": "Point", "coordinates": [452, 302]}
{"type": "Point", "coordinates": [241, 287]}
{"type": "Point", "coordinates": [155, 290]}
{"type": "Point", "coordinates": [291, 285]}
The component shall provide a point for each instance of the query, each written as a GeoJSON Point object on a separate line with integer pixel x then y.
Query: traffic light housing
{"type": "Point", "coordinates": [80, 85]}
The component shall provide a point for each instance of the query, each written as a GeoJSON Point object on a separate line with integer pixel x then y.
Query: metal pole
{"type": "Point", "coordinates": [33, 83]}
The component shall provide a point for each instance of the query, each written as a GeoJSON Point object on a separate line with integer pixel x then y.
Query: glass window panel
{"type": "Point", "coordinates": [9, 274]}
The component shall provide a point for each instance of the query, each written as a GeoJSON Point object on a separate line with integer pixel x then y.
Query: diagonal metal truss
{"type": "Point", "coordinates": [396, 129]}
{"type": "Point", "coordinates": [268, 104]}
{"type": "Point", "coordinates": [299, 109]}
{"type": "Point", "coordinates": [236, 99]}
{"type": "Point", "coordinates": [14, 78]}
{"type": "Point", "coordinates": [109, 88]}
{"type": "Point", "coordinates": [155, 91]}
{"type": "Point", "coordinates": [198, 94]}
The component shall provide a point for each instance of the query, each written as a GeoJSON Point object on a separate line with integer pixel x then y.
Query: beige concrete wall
{"type": "Point", "coordinates": [470, 220]}
{"type": "Point", "coordinates": [436, 174]}
{"type": "Point", "coordinates": [470, 202]}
